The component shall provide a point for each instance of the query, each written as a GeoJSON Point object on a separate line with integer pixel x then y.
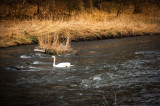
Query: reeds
{"type": "Point", "coordinates": [53, 44]}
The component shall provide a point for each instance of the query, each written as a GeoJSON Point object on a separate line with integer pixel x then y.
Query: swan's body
{"type": "Point", "coordinates": [66, 64]}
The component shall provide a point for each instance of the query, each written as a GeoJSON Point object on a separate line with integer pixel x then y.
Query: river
{"type": "Point", "coordinates": [122, 71]}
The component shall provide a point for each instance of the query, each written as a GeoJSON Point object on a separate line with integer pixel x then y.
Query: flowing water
{"type": "Point", "coordinates": [115, 71]}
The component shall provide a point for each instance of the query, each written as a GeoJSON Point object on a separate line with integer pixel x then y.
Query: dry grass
{"type": "Point", "coordinates": [54, 45]}
{"type": "Point", "coordinates": [93, 24]}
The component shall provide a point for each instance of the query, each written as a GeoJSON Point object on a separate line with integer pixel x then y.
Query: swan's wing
{"type": "Point", "coordinates": [64, 64]}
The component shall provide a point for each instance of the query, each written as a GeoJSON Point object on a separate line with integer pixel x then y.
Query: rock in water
{"type": "Point", "coordinates": [39, 49]}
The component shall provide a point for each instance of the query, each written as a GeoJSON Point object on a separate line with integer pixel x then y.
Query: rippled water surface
{"type": "Point", "coordinates": [126, 69]}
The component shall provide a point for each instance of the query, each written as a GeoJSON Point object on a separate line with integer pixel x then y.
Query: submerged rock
{"type": "Point", "coordinates": [39, 49]}
{"type": "Point", "coordinates": [47, 51]}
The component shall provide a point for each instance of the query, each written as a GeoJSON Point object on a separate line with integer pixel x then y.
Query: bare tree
{"type": "Point", "coordinates": [90, 2]}
{"type": "Point", "coordinates": [121, 3]}
{"type": "Point", "coordinates": [70, 6]}
{"type": "Point", "coordinates": [99, 4]}
{"type": "Point", "coordinates": [137, 7]}
{"type": "Point", "coordinates": [52, 5]}
{"type": "Point", "coordinates": [38, 7]}
{"type": "Point", "coordinates": [81, 5]}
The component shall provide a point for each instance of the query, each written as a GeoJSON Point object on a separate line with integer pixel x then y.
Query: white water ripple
{"type": "Point", "coordinates": [25, 57]}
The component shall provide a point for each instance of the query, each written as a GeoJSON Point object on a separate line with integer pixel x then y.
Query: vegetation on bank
{"type": "Point", "coordinates": [55, 34]}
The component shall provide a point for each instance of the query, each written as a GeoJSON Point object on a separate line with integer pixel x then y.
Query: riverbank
{"type": "Point", "coordinates": [88, 25]}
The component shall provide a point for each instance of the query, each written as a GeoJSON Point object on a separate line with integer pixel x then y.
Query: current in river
{"type": "Point", "coordinates": [122, 71]}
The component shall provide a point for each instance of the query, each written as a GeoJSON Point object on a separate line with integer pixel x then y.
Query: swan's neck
{"type": "Point", "coordinates": [54, 60]}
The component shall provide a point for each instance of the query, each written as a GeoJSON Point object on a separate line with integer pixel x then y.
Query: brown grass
{"type": "Point", "coordinates": [54, 45]}
{"type": "Point", "coordinates": [93, 24]}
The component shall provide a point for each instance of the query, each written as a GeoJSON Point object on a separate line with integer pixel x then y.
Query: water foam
{"type": "Point", "coordinates": [25, 56]}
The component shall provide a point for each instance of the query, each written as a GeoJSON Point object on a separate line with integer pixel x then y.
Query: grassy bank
{"type": "Point", "coordinates": [92, 24]}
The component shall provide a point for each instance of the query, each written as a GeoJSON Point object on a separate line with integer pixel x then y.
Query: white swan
{"type": "Point", "coordinates": [66, 64]}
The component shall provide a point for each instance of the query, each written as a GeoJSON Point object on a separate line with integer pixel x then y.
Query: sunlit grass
{"type": "Point", "coordinates": [56, 34]}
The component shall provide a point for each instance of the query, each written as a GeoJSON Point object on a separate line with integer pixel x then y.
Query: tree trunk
{"type": "Point", "coordinates": [137, 7]}
{"type": "Point", "coordinates": [120, 7]}
{"type": "Point", "coordinates": [90, 3]}
{"type": "Point", "coordinates": [38, 8]}
{"type": "Point", "coordinates": [99, 4]}
{"type": "Point", "coordinates": [81, 5]}
{"type": "Point", "coordinates": [69, 7]}
{"type": "Point", "coordinates": [52, 5]}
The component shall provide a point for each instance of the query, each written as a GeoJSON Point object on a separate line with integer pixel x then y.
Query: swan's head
{"type": "Point", "coordinates": [53, 56]}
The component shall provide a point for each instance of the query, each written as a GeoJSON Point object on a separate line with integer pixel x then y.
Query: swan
{"type": "Point", "coordinates": [66, 64]}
